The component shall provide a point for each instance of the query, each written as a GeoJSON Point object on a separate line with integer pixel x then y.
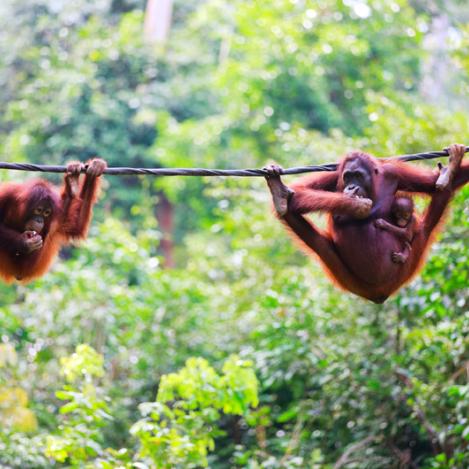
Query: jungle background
{"type": "Point", "coordinates": [188, 330]}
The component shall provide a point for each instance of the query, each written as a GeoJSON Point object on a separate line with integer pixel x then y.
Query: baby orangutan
{"type": "Point", "coordinates": [402, 211]}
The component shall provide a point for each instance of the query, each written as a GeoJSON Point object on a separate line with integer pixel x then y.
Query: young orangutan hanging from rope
{"type": "Point", "coordinates": [37, 219]}
{"type": "Point", "coordinates": [355, 251]}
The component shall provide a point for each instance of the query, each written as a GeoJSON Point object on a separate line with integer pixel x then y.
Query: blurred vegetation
{"type": "Point", "coordinates": [243, 355]}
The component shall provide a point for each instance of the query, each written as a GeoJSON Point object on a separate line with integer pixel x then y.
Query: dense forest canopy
{"type": "Point", "coordinates": [188, 330]}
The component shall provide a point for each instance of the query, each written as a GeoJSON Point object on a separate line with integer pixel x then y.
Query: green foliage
{"type": "Point", "coordinates": [79, 435]}
{"type": "Point", "coordinates": [180, 427]}
{"type": "Point", "coordinates": [177, 430]}
{"type": "Point", "coordinates": [322, 58]}
{"type": "Point", "coordinates": [14, 412]}
{"type": "Point", "coordinates": [340, 382]}
{"type": "Point", "coordinates": [84, 363]}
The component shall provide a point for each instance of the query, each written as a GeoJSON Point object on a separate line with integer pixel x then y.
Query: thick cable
{"type": "Point", "coordinates": [123, 171]}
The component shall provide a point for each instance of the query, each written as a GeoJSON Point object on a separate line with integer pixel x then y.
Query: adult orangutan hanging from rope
{"type": "Point", "coordinates": [356, 249]}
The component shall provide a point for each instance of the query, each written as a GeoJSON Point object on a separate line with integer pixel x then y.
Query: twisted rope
{"type": "Point", "coordinates": [123, 171]}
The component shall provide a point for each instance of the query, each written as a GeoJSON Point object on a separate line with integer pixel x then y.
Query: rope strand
{"type": "Point", "coordinates": [123, 171]}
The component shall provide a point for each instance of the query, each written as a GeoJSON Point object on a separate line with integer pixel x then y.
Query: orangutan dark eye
{"type": "Point", "coordinates": [47, 212]}
{"type": "Point", "coordinates": [38, 211]}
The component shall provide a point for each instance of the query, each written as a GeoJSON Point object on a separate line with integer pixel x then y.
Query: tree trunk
{"type": "Point", "coordinates": [165, 218]}
{"type": "Point", "coordinates": [158, 20]}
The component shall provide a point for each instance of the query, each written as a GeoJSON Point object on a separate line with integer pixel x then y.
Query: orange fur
{"type": "Point", "coordinates": [69, 220]}
{"type": "Point", "coordinates": [354, 253]}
